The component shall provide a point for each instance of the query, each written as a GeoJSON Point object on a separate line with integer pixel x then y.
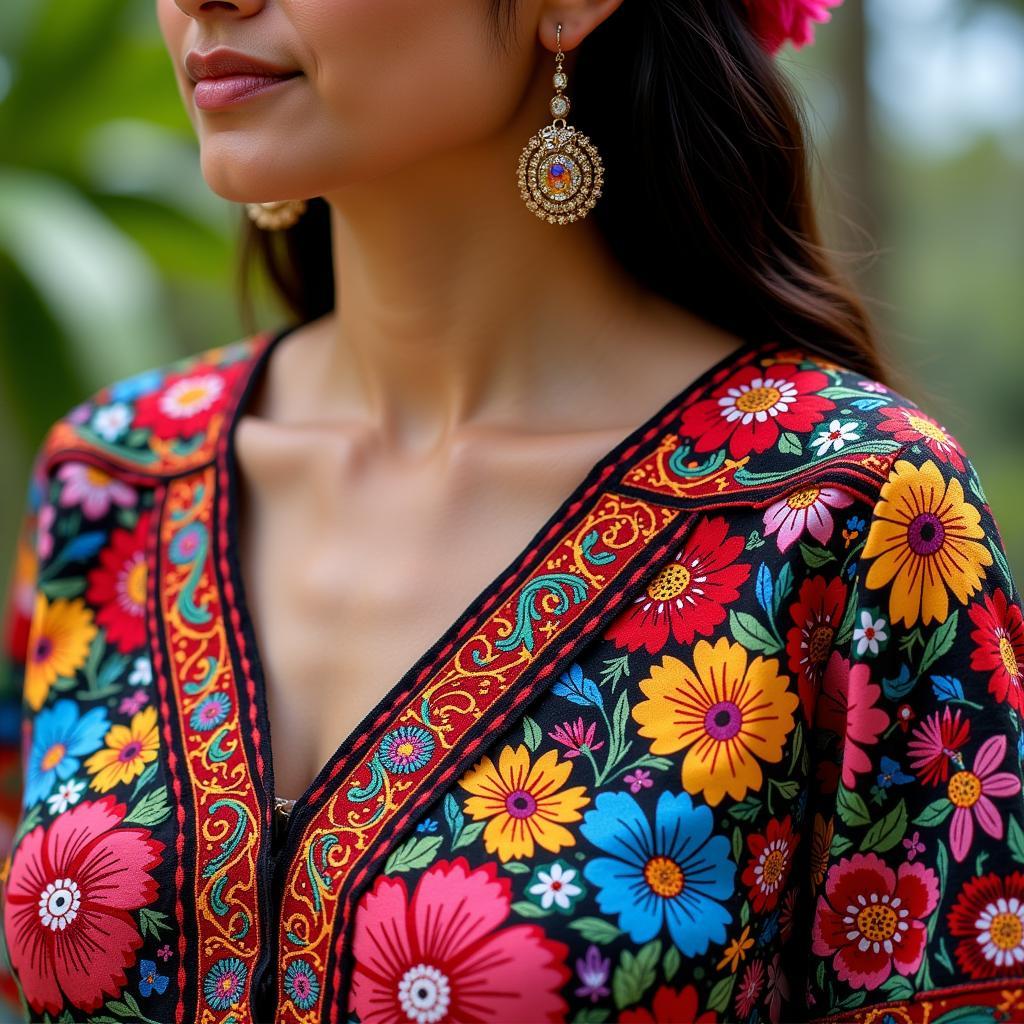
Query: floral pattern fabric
{"type": "Point", "coordinates": [771, 771]}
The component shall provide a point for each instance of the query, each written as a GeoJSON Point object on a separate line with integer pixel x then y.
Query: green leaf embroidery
{"type": "Point", "coordinates": [152, 922]}
{"type": "Point", "coordinates": [145, 778]}
{"type": "Point", "coordinates": [898, 987]}
{"type": "Point", "coordinates": [746, 810]}
{"type": "Point", "coordinates": [721, 994]}
{"type": "Point", "coordinates": [789, 443]}
{"type": "Point", "coordinates": [670, 964]}
{"type": "Point", "coordinates": [1015, 840]}
{"type": "Point", "coordinates": [468, 835]}
{"type": "Point", "coordinates": [635, 974]}
{"type": "Point", "coordinates": [939, 642]}
{"type": "Point", "coordinates": [595, 929]}
{"type": "Point", "coordinates": [887, 832]}
{"type": "Point", "coordinates": [840, 844]}
{"type": "Point", "coordinates": [935, 813]}
{"type": "Point", "coordinates": [842, 638]}
{"type": "Point", "coordinates": [747, 631]}
{"type": "Point", "coordinates": [416, 852]}
{"type": "Point", "coordinates": [150, 810]}
{"type": "Point", "coordinates": [614, 669]}
{"type": "Point", "coordinates": [815, 556]}
{"type": "Point", "coordinates": [526, 909]}
{"type": "Point", "coordinates": [851, 807]}
{"type": "Point", "coordinates": [454, 817]}
{"type": "Point", "coordinates": [531, 733]}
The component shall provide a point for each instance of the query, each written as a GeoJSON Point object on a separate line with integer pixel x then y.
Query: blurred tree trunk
{"type": "Point", "coordinates": [859, 197]}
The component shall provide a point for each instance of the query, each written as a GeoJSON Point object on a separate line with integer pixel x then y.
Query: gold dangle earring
{"type": "Point", "coordinates": [560, 170]}
{"type": "Point", "coordinates": [277, 215]}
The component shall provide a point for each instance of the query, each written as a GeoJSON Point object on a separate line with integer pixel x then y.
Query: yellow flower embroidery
{"type": "Point", "coordinates": [728, 715]}
{"type": "Point", "coordinates": [129, 748]}
{"type": "Point", "coordinates": [59, 639]}
{"type": "Point", "coordinates": [924, 538]}
{"type": "Point", "coordinates": [525, 803]}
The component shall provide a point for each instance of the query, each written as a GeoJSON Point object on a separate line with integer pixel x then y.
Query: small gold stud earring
{"type": "Point", "coordinates": [560, 171]}
{"type": "Point", "coordinates": [277, 215]}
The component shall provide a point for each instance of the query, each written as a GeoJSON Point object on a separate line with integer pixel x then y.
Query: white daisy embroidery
{"type": "Point", "coordinates": [556, 886]}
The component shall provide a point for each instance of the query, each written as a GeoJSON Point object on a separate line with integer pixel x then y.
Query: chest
{"type": "Point", "coordinates": [352, 569]}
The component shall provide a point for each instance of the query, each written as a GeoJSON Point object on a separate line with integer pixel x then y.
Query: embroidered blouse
{"type": "Point", "coordinates": [736, 737]}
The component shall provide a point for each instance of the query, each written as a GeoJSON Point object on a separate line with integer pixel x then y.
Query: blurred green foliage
{"type": "Point", "coordinates": [115, 256]}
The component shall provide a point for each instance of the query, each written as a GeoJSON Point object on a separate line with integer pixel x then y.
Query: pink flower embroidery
{"type": "Point", "coordinates": [847, 708]}
{"type": "Point", "coordinates": [970, 793]}
{"type": "Point", "coordinates": [638, 780]}
{"type": "Point", "coordinates": [806, 510]}
{"type": "Point", "coordinates": [873, 918]}
{"type": "Point", "coordinates": [442, 953]}
{"type": "Point", "coordinates": [577, 737]}
{"type": "Point", "coordinates": [94, 489]}
{"type": "Point", "coordinates": [44, 538]}
{"type": "Point", "coordinates": [69, 894]}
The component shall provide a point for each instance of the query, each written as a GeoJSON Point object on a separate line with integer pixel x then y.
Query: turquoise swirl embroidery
{"type": "Point", "coordinates": [197, 686]}
{"type": "Point", "coordinates": [677, 463]}
{"type": "Point", "coordinates": [571, 589]}
{"type": "Point", "coordinates": [189, 547]}
{"type": "Point", "coordinates": [215, 751]}
{"type": "Point", "coordinates": [229, 845]}
{"type": "Point", "coordinates": [587, 547]}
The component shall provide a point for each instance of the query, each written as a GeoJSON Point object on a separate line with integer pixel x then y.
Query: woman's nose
{"type": "Point", "coordinates": [221, 8]}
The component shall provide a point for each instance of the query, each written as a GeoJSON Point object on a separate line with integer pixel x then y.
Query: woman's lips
{"type": "Point", "coordinates": [230, 90]}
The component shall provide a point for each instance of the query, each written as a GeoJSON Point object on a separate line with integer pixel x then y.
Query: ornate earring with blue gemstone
{"type": "Point", "coordinates": [560, 172]}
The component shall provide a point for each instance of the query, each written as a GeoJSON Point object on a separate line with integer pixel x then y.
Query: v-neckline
{"type": "Point", "coordinates": [237, 602]}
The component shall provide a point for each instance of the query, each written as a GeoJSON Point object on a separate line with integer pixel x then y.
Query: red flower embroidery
{"type": "Point", "coordinates": [670, 1005]}
{"type": "Point", "coordinates": [999, 639]}
{"type": "Point", "coordinates": [817, 612]}
{"type": "Point", "coordinates": [914, 425]}
{"type": "Point", "coordinates": [935, 743]}
{"type": "Point", "coordinates": [440, 954]}
{"type": "Point", "coordinates": [988, 916]}
{"type": "Point", "coordinates": [847, 708]}
{"type": "Point", "coordinates": [771, 860]}
{"type": "Point", "coordinates": [184, 403]}
{"type": "Point", "coordinates": [688, 595]}
{"type": "Point", "coordinates": [872, 918]}
{"type": "Point", "coordinates": [754, 406]}
{"type": "Point", "coordinates": [117, 589]}
{"type": "Point", "coordinates": [70, 889]}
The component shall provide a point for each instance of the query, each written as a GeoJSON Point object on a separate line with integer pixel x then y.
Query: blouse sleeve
{"type": "Point", "coordinates": [915, 902]}
{"type": "Point", "coordinates": [19, 601]}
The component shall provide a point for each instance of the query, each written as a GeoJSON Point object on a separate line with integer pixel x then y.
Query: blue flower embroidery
{"type": "Point", "coordinates": [150, 980]}
{"type": "Point", "coordinates": [301, 984]}
{"type": "Point", "coordinates": [224, 982]}
{"type": "Point", "coordinates": [210, 712]}
{"type": "Point", "coordinates": [60, 738]}
{"type": "Point", "coordinates": [576, 687]}
{"type": "Point", "coordinates": [406, 749]}
{"type": "Point", "coordinates": [130, 388]}
{"type": "Point", "coordinates": [678, 875]}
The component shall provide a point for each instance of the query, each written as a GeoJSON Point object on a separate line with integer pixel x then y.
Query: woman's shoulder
{"type": "Point", "coordinates": [155, 423]}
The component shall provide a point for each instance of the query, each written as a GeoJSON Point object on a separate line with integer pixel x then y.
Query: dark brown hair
{"type": "Point", "coordinates": [707, 195]}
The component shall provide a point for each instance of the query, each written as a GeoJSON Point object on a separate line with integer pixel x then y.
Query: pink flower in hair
{"type": "Point", "coordinates": [775, 21]}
